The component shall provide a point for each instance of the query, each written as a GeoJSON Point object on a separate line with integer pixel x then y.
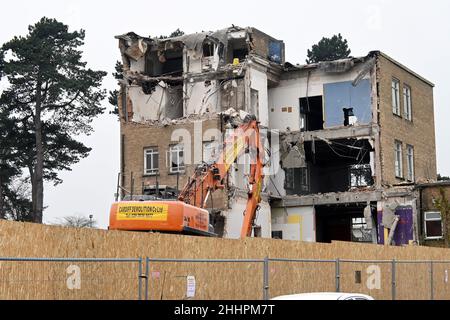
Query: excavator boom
{"type": "Point", "coordinates": [188, 214]}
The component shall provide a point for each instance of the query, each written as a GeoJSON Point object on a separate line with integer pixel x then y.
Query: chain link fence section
{"type": "Point", "coordinates": [70, 279]}
{"type": "Point", "coordinates": [223, 279]}
{"type": "Point", "coordinates": [218, 279]}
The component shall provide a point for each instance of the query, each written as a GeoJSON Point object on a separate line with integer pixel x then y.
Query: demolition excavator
{"type": "Point", "coordinates": [188, 214]}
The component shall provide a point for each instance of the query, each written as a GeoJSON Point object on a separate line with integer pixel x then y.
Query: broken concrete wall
{"type": "Point", "coordinates": [202, 97]}
{"type": "Point", "coordinates": [257, 101]}
{"type": "Point", "coordinates": [267, 47]}
{"type": "Point", "coordinates": [312, 82]}
{"type": "Point", "coordinates": [232, 94]}
{"type": "Point", "coordinates": [296, 223]}
{"type": "Point", "coordinates": [234, 218]}
{"type": "Point", "coordinates": [163, 102]}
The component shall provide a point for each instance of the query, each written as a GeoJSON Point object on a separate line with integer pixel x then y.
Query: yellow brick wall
{"type": "Point", "coordinates": [137, 137]}
{"type": "Point", "coordinates": [419, 133]}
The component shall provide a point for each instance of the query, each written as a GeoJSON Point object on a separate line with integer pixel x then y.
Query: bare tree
{"type": "Point", "coordinates": [76, 221]}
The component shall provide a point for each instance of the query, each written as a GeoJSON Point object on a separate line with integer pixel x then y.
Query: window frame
{"type": "Point", "coordinates": [179, 147]}
{"type": "Point", "coordinates": [407, 102]}
{"type": "Point", "coordinates": [410, 174]}
{"type": "Point", "coordinates": [425, 220]}
{"type": "Point", "coordinates": [396, 108]}
{"type": "Point", "coordinates": [400, 160]}
{"type": "Point", "coordinates": [152, 171]}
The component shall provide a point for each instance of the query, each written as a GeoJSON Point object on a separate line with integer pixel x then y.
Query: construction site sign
{"type": "Point", "coordinates": [138, 211]}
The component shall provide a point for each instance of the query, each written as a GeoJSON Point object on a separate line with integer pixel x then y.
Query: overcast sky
{"type": "Point", "coordinates": [416, 33]}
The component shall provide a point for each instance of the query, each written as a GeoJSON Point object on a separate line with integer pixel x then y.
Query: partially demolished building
{"type": "Point", "coordinates": [355, 135]}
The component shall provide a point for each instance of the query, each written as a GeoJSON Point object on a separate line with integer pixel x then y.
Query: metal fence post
{"type": "Point", "coordinates": [266, 279]}
{"type": "Point", "coordinates": [338, 275]}
{"type": "Point", "coordinates": [147, 271]}
{"type": "Point", "coordinates": [393, 271]}
{"type": "Point", "coordinates": [140, 280]}
{"type": "Point", "coordinates": [431, 280]}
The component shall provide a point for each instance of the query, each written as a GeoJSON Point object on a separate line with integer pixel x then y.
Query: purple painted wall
{"type": "Point", "coordinates": [405, 228]}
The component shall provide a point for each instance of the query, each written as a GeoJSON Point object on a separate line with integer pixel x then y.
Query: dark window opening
{"type": "Point", "coordinates": [339, 165]}
{"type": "Point", "coordinates": [311, 110]}
{"type": "Point", "coordinates": [237, 49]}
{"type": "Point", "coordinates": [208, 49]}
{"type": "Point", "coordinates": [240, 54]}
{"type": "Point", "coordinates": [277, 234]}
{"type": "Point", "coordinates": [169, 63]}
{"type": "Point", "coordinates": [296, 181]}
{"type": "Point", "coordinates": [358, 277]}
{"type": "Point", "coordinates": [344, 222]}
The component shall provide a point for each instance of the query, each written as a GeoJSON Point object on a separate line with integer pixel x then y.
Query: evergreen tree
{"type": "Point", "coordinates": [52, 97]}
{"type": "Point", "coordinates": [329, 49]}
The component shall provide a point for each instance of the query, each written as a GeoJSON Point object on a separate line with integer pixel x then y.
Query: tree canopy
{"type": "Point", "coordinates": [329, 49]}
{"type": "Point", "coordinates": [51, 99]}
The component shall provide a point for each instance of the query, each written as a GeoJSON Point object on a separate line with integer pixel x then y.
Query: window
{"type": "Point", "coordinates": [433, 225]}
{"type": "Point", "coordinates": [151, 161]}
{"type": "Point", "coordinates": [277, 234]}
{"type": "Point", "coordinates": [176, 158]}
{"type": "Point", "coordinates": [410, 162]}
{"type": "Point", "coordinates": [360, 175]}
{"type": "Point", "coordinates": [360, 232]}
{"type": "Point", "coordinates": [296, 181]}
{"type": "Point", "coordinates": [396, 97]}
{"type": "Point", "coordinates": [398, 160]}
{"type": "Point", "coordinates": [407, 102]}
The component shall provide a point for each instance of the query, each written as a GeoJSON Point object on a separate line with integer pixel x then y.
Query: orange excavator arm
{"type": "Point", "coordinates": [208, 178]}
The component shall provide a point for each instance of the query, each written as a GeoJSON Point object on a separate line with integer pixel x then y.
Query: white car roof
{"type": "Point", "coordinates": [324, 296]}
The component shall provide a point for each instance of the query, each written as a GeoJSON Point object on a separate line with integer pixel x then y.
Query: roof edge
{"type": "Point", "coordinates": [384, 55]}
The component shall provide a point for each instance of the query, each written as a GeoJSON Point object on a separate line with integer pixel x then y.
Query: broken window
{"type": "Point", "coordinates": [396, 97]}
{"type": "Point", "coordinates": [410, 162]}
{"type": "Point", "coordinates": [296, 181]}
{"type": "Point", "coordinates": [360, 232]}
{"type": "Point", "coordinates": [398, 159]}
{"type": "Point", "coordinates": [151, 161]}
{"type": "Point", "coordinates": [360, 175]}
{"type": "Point", "coordinates": [407, 102]}
{"type": "Point", "coordinates": [433, 225]}
{"type": "Point", "coordinates": [176, 158]}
